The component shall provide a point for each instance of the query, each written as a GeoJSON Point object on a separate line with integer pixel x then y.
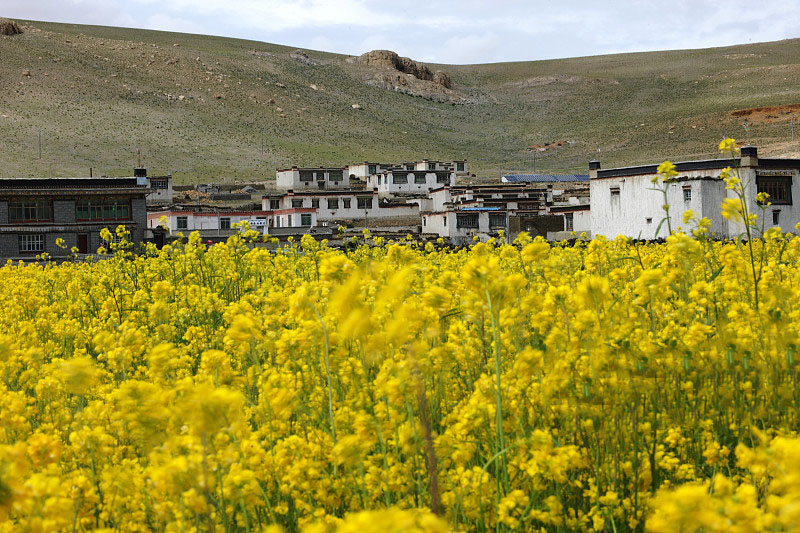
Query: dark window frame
{"type": "Point", "coordinates": [30, 210]}
{"type": "Point", "coordinates": [364, 202]}
{"type": "Point", "coordinates": [779, 188]}
{"type": "Point", "coordinates": [467, 221]}
{"type": "Point", "coordinates": [225, 223]}
{"type": "Point", "coordinates": [305, 217]}
{"type": "Point", "coordinates": [103, 209]}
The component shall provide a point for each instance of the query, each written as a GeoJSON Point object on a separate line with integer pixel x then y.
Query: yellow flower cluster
{"type": "Point", "coordinates": [608, 385]}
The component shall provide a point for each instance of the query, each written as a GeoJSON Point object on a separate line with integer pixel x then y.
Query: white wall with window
{"type": "Point", "coordinates": [623, 201]}
{"type": "Point", "coordinates": [187, 221]}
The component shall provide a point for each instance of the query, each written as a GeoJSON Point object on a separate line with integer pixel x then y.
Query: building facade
{"type": "Point", "coordinates": [624, 203]}
{"type": "Point", "coordinates": [297, 179]}
{"type": "Point", "coordinates": [35, 213]}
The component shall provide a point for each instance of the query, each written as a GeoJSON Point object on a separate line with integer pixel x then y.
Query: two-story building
{"type": "Point", "coordinates": [344, 205]}
{"type": "Point", "coordinates": [321, 178]}
{"type": "Point", "coordinates": [161, 192]}
{"type": "Point", "coordinates": [401, 182]}
{"type": "Point", "coordinates": [624, 201]}
{"type": "Point", "coordinates": [36, 212]}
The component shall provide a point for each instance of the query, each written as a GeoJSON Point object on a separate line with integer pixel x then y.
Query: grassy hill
{"type": "Point", "coordinates": [196, 106]}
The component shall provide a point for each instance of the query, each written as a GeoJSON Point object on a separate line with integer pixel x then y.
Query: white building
{"type": "Point", "coordinates": [397, 182]}
{"type": "Point", "coordinates": [340, 205]}
{"type": "Point", "coordinates": [364, 170]}
{"type": "Point", "coordinates": [624, 203]}
{"type": "Point", "coordinates": [312, 178]}
{"type": "Point", "coordinates": [205, 220]}
{"type": "Point", "coordinates": [160, 187]}
{"type": "Point", "coordinates": [462, 213]}
{"type": "Point", "coordinates": [459, 166]}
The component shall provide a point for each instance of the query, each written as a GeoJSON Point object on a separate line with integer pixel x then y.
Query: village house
{"type": "Point", "coordinates": [461, 213]}
{"type": "Point", "coordinates": [345, 205]}
{"type": "Point", "coordinates": [161, 192]}
{"type": "Point", "coordinates": [366, 169]}
{"type": "Point", "coordinates": [36, 212]}
{"type": "Point", "coordinates": [624, 202]}
{"type": "Point", "coordinates": [401, 182]}
{"type": "Point", "coordinates": [212, 221]}
{"type": "Point", "coordinates": [312, 178]}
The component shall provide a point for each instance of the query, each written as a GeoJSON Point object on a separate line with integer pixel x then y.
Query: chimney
{"type": "Point", "coordinates": [594, 166]}
{"type": "Point", "coordinates": [139, 172]}
{"type": "Point", "coordinates": [749, 156]}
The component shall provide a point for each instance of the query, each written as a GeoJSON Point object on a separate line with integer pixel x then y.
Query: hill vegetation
{"type": "Point", "coordinates": [199, 106]}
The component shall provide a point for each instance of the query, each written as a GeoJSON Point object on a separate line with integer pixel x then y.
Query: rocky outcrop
{"type": "Point", "coordinates": [9, 27]}
{"type": "Point", "coordinates": [390, 60]}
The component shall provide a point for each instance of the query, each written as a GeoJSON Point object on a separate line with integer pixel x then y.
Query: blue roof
{"type": "Point", "coordinates": [480, 209]}
{"type": "Point", "coordinates": [544, 178]}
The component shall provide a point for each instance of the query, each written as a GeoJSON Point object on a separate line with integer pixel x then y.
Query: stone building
{"type": "Point", "coordinates": [35, 212]}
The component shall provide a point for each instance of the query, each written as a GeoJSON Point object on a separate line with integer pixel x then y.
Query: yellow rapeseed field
{"type": "Point", "coordinates": [608, 386]}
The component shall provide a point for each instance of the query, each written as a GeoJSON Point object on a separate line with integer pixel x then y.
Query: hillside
{"type": "Point", "coordinates": [196, 106]}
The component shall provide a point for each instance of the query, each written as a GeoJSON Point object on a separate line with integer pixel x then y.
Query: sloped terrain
{"type": "Point", "coordinates": [199, 106]}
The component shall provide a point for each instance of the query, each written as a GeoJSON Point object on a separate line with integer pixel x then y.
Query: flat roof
{"type": "Point", "coordinates": [545, 178]}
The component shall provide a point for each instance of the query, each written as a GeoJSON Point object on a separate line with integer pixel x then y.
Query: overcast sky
{"type": "Point", "coordinates": [445, 31]}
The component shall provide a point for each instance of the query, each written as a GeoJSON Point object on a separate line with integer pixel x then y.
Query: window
{"type": "Point", "coordinates": [159, 183]}
{"type": "Point", "coordinates": [30, 211]}
{"type": "Point", "coordinates": [497, 220]}
{"type": "Point", "coordinates": [305, 219]}
{"type": "Point", "coordinates": [306, 175]}
{"type": "Point", "coordinates": [442, 178]}
{"type": "Point", "coordinates": [460, 167]}
{"type": "Point", "coordinates": [297, 203]}
{"type": "Point", "coordinates": [183, 222]}
{"type": "Point", "coordinates": [615, 197]}
{"type": "Point", "coordinates": [419, 178]}
{"type": "Point", "coordinates": [431, 166]}
{"type": "Point", "coordinates": [365, 202]}
{"type": "Point", "coordinates": [274, 203]}
{"type": "Point", "coordinates": [333, 203]}
{"type": "Point", "coordinates": [315, 203]}
{"type": "Point", "coordinates": [687, 194]}
{"type": "Point", "coordinates": [335, 175]}
{"type": "Point", "coordinates": [399, 180]}
{"type": "Point", "coordinates": [346, 203]}
{"type": "Point", "coordinates": [424, 221]}
{"type": "Point", "coordinates": [776, 217]}
{"type": "Point", "coordinates": [373, 169]}
{"type": "Point", "coordinates": [288, 221]}
{"type": "Point", "coordinates": [115, 239]}
{"type": "Point", "coordinates": [225, 223]}
{"type": "Point", "coordinates": [31, 243]}
{"type": "Point", "coordinates": [568, 222]}
{"type": "Point", "coordinates": [779, 188]}
{"type": "Point", "coordinates": [649, 220]}
{"type": "Point", "coordinates": [444, 220]}
{"type": "Point", "coordinates": [467, 221]}
{"type": "Point", "coordinates": [103, 209]}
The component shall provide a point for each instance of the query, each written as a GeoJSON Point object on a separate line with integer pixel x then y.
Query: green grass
{"type": "Point", "coordinates": [104, 97]}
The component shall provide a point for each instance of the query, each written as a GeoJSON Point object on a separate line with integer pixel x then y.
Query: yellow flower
{"type": "Point", "coordinates": [727, 145]}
